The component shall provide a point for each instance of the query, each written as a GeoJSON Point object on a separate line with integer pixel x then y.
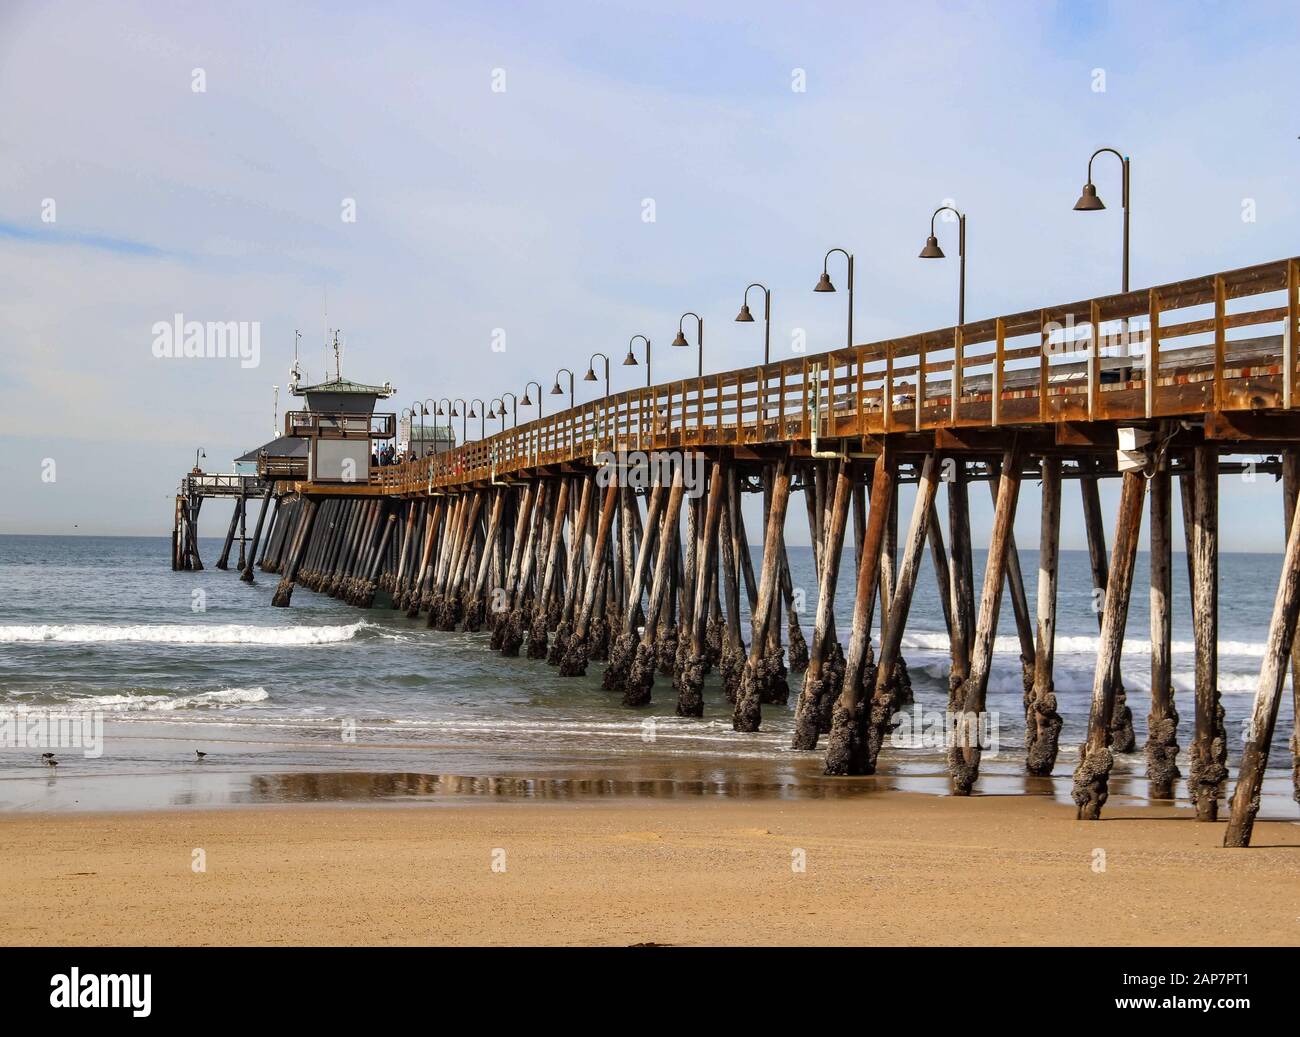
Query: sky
{"type": "Point", "coordinates": [500, 158]}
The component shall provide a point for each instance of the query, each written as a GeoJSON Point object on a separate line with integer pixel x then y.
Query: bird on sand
{"type": "Point", "coordinates": [199, 753]}
{"type": "Point", "coordinates": [51, 762]}
{"type": "Point", "coordinates": [47, 756]}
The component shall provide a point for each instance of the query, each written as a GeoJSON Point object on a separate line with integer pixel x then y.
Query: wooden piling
{"type": "Point", "coordinates": [623, 652]}
{"type": "Point", "coordinates": [1092, 775]}
{"type": "Point", "coordinates": [760, 668]}
{"type": "Point", "coordinates": [886, 698]}
{"type": "Point", "coordinates": [961, 578]}
{"type": "Point", "coordinates": [846, 751]}
{"type": "Point", "coordinates": [538, 633]}
{"type": "Point", "coordinates": [1268, 696]}
{"type": "Point", "coordinates": [690, 679]}
{"type": "Point", "coordinates": [964, 754]}
{"type": "Point", "coordinates": [1121, 724]}
{"type": "Point", "coordinates": [1042, 721]}
{"type": "Point", "coordinates": [812, 705]}
{"type": "Point", "coordinates": [1208, 764]}
{"type": "Point", "coordinates": [1162, 723]}
{"type": "Point", "coordinates": [284, 592]}
{"type": "Point", "coordinates": [574, 663]}
{"type": "Point", "coordinates": [247, 575]}
{"type": "Point", "coordinates": [1290, 493]}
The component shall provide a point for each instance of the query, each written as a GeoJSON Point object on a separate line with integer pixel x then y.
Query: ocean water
{"type": "Point", "coordinates": [325, 702]}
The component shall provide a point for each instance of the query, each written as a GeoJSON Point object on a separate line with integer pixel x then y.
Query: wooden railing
{"type": "Point", "coordinates": [1145, 354]}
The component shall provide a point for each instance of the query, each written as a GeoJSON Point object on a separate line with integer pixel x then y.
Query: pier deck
{"type": "Point", "coordinates": [542, 534]}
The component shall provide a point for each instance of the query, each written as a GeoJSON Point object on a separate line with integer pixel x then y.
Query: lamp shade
{"type": "Point", "coordinates": [932, 249]}
{"type": "Point", "coordinates": [556, 390]}
{"type": "Point", "coordinates": [824, 285]}
{"type": "Point", "coordinates": [1088, 201]}
{"type": "Point", "coordinates": [744, 316]}
{"type": "Point", "coordinates": [630, 360]}
{"type": "Point", "coordinates": [680, 340]}
{"type": "Point", "coordinates": [527, 400]}
{"type": "Point", "coordinates": [590, 376]}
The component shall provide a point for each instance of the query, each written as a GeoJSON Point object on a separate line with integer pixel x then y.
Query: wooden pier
{"type": "Point", "coordinates": [565, 539]}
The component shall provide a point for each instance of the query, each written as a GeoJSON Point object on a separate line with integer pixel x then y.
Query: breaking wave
{"type": "Point", "coordinates": [179, 634]}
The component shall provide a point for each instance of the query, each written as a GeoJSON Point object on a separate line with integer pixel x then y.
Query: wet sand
{"type": "Point", "coordinates": [891, 868]}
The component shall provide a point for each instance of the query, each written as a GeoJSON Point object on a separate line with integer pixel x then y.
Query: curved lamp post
{"type": "Point", "coordinates": [494, 413]}
{"type": "Point", "coordinates": [557, 391]}
{"type": "Point", "coordinates": [745, 317]}
{"type": "Point", "coordinates": [474, 404]}
{"type": "Point", "coordinates": [824, 285]}
{"type": "Point", "coordinates": [933, 251]}
{"type": "Point", "coordinates": [424, 447]}
{"type": "Point", "coordinates": [514, 406]}
{"type": "Point", "coordinates": [680, 340]}
{"type": "Point", "coordinates": [417, 408]}
{"type": "Point", "coordinates": [200, 452]}
{"type": "Point", "coordinates": [459, 409]}
{"type": "Point", "coordinates": [527, 401]}
{"type": "Point", "coordinates": [590, 376]}
{"type": "Point", "coordinates": [1090, 202]}
{"type": "Point", "coordinates": [630, 359]}
{"type": "Point", "coordinates": [438, 412]}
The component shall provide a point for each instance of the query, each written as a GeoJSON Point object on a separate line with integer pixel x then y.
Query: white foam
{"type": "Point", "coordinates": [1083, 644]}
{"type": "Point", "coordinates": [119, 703]}
{"type": "Point", "coordinates": [180, 634]}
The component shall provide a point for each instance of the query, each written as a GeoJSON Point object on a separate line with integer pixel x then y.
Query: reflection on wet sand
{"type": "Point", "coordinates": [344, 786]}
{"type": "Point", "coordinates": [651, 783]}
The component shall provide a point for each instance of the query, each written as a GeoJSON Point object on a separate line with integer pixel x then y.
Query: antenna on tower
{"type": "Point", "coordinates": [295, 372]}
{"type": "Point", "coordinates": [338, 364]}
{"type": "Point", "coordinates": [275, 412]}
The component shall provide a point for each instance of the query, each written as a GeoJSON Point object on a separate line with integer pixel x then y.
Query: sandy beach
{"type": "Point", "coordinates": [896, 868]}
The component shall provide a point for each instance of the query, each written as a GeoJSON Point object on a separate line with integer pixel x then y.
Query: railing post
{"type": "Point", "coordinates": [1152, 351]}
{"type": "Point", "coordinates": [999, 346]}
{"type": "Point", "coordinates": [1220, 340]}
{"type": "Point", "coordinates": [857, 402]}
{"type": "Point", "coordinates": [888, 401]}
{"type": "Point", "coordinates": [806, 420]}
{"type": "Point", "coordinates": [1094, 361]}
{"type": "Point", "coordinates": [1289, 337]}
{"type": "Point", "coordinates": [920, 382]}
{"type": "Point", "coordinates": [958, 362]}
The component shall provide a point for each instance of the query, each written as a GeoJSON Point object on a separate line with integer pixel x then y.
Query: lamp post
{"type": "Point", "coordinates": [417, 408]}
{"type": "Point", "coordinates": [474, 404]}
{"type": "Point", "coordinates": [557, 391]}
{"type": "Point", "coordinates": [424, 445]}
{"type": "Point", "coordinates": [933, 251]}
{"type": "Point", "coordinates": [527, 401]}
{"type": "Point", "coordinates": [1090, 202]}
{"type": "Point", "coordinates": [680, 340]}
{"type": "Point", "coordinates": [494, 413]}
{"type": "Point", "coordinates": [824, 285]}
{"type": "Point", "coordinates": [200, 452]}
{"type": "Point", "coordinates": [514, 405]}
{"type": "Point", "coordinates": [459, 409]}
{"type": "Point", "coordinates": [745, 317]}
{"type": "Point", "coordinates": [630, 360]}
{"type": "Point", "coordinates": [590, 376]}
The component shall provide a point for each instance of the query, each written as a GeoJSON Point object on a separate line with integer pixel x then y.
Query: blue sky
{"type": "Point", "coordinates": [521, 209]}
